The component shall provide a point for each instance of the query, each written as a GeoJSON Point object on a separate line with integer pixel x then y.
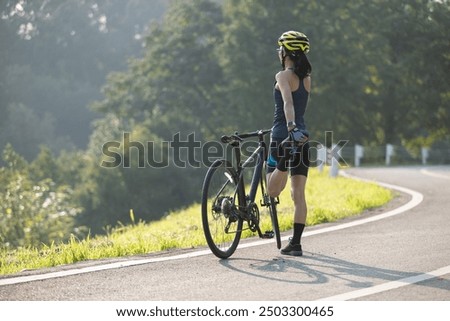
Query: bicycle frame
{"type": "Point", "coordinates": [260, 154]}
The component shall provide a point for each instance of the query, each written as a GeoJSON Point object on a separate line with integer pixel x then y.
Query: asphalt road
{"type": "Point", "coordinates": [404, 255]}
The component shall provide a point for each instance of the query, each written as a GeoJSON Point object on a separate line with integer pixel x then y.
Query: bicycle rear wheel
{"type": "Point", "coordinates": [222, 225]}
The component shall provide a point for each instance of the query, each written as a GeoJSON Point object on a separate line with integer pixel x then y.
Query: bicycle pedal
{"type": "Point", "coordinates": [268, 235]}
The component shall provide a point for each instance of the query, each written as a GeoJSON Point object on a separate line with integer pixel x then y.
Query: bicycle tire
{"type": "Point", "coordinates": [220, 198]}
{"type": "Point", "coordinates": [274, 218]}
{"type": "Point", "coordinates": [272, 207]}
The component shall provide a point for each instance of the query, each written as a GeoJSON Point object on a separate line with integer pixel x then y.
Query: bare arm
{"type": "Point", "coordinates": [286, 92]}
{"type": "Point", "coordinates": [307, 83]}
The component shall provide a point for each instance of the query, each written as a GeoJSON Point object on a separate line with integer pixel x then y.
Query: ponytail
{"type": "Point", "coordinates": [302, 67]}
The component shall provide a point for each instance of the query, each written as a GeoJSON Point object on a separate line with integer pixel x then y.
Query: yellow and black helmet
{"type": "Point", "coordinates": [294, 41]}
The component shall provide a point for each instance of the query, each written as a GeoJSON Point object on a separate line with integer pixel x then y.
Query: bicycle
{"type": "Point", "coordinates": [225, 203]}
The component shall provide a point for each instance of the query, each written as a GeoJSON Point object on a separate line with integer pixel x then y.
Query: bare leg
{"type": "Point", "coordinates": [298, 183]}
{"type": "Point", "coordinates": [276, 182]}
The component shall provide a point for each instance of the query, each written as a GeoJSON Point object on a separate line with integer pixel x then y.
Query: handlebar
{"type": "Point", "coordinates": [236, 137]}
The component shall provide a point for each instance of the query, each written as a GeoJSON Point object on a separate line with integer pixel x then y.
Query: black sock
{"type": "Point", "coordinates": [298, 231]}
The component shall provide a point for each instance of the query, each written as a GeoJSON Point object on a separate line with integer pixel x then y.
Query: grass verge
{"type": "Point", "coordinates": [328, 199]}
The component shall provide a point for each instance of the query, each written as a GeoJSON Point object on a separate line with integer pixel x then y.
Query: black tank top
{"type": "Point", "coordinates": [300, 99]}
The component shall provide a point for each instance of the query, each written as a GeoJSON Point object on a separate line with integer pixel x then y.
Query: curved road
{"type": "Point", "coordinates": [404, 255]}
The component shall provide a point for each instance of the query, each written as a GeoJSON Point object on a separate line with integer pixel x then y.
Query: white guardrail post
{"type": "Point", "coordinates": [334, 170]}
{"type": "Point", "coordinates": [389, 153]}
{"type": "Point", "coordinates": [425, 153]}
{"type": "Point", "coordinates": [359, 153]}
{"type": "Point", "coordinates": [321, 157]}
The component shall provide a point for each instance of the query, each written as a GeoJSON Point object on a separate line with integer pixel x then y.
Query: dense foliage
{"type": "Point", "coordinates": [380, 75]}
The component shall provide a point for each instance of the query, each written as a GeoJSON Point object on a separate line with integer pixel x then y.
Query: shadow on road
{"type": "Point", "coordinates": [314, 268]}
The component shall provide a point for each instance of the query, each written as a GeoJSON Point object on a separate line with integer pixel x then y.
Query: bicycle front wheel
{"type": "Point", "coordinates": [274, 217]}
{"type": "Point", "coordinates": [222, 224]}
{"type": "Point", "coordinates": [271, 203]}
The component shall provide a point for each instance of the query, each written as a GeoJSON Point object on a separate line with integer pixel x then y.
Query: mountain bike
{"type": "Point", "coordinates": [226, 205]}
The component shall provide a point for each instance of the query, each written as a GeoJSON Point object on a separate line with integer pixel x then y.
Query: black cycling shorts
{"type": "Point", "coordinates": [299, 163]}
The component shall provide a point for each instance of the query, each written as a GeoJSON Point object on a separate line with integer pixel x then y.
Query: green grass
{"type": "Point", "coordinates": [328, 199]}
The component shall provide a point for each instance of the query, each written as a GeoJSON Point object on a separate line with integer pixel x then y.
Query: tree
{"type": "Point", "coordinates": [26, 131]}
{"type": "Point", "coordinates": [59, 52]}
{"type": "Point", "coordinates": [409, 46]}
{"type": "Point", "coordinates": [176, 88]}
{"type": "Point", "coordinates": [33, 212]}
{"type": "Point", "coordinates": [375, 71]}
{"type": "Point", "coordinates": [249, 59]}
{"type": "Point", "coordinates": [178, 75]}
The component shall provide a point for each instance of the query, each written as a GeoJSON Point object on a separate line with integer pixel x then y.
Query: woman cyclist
{"type": "Point", "coordinates": [289, 148]}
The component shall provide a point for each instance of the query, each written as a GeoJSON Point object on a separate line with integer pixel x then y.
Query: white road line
{"type": "Point", "coordinates": [415, 200]}
{"type": "Point", "coordinates": [389, 285]}
{"type": "Point", "coordinates": [109, 266]}
{"type": "Point", "coordinates": [427, 172]}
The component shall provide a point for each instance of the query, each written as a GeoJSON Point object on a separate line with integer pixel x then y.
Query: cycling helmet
{"type": "Point", "coordinates": [294, 41]}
